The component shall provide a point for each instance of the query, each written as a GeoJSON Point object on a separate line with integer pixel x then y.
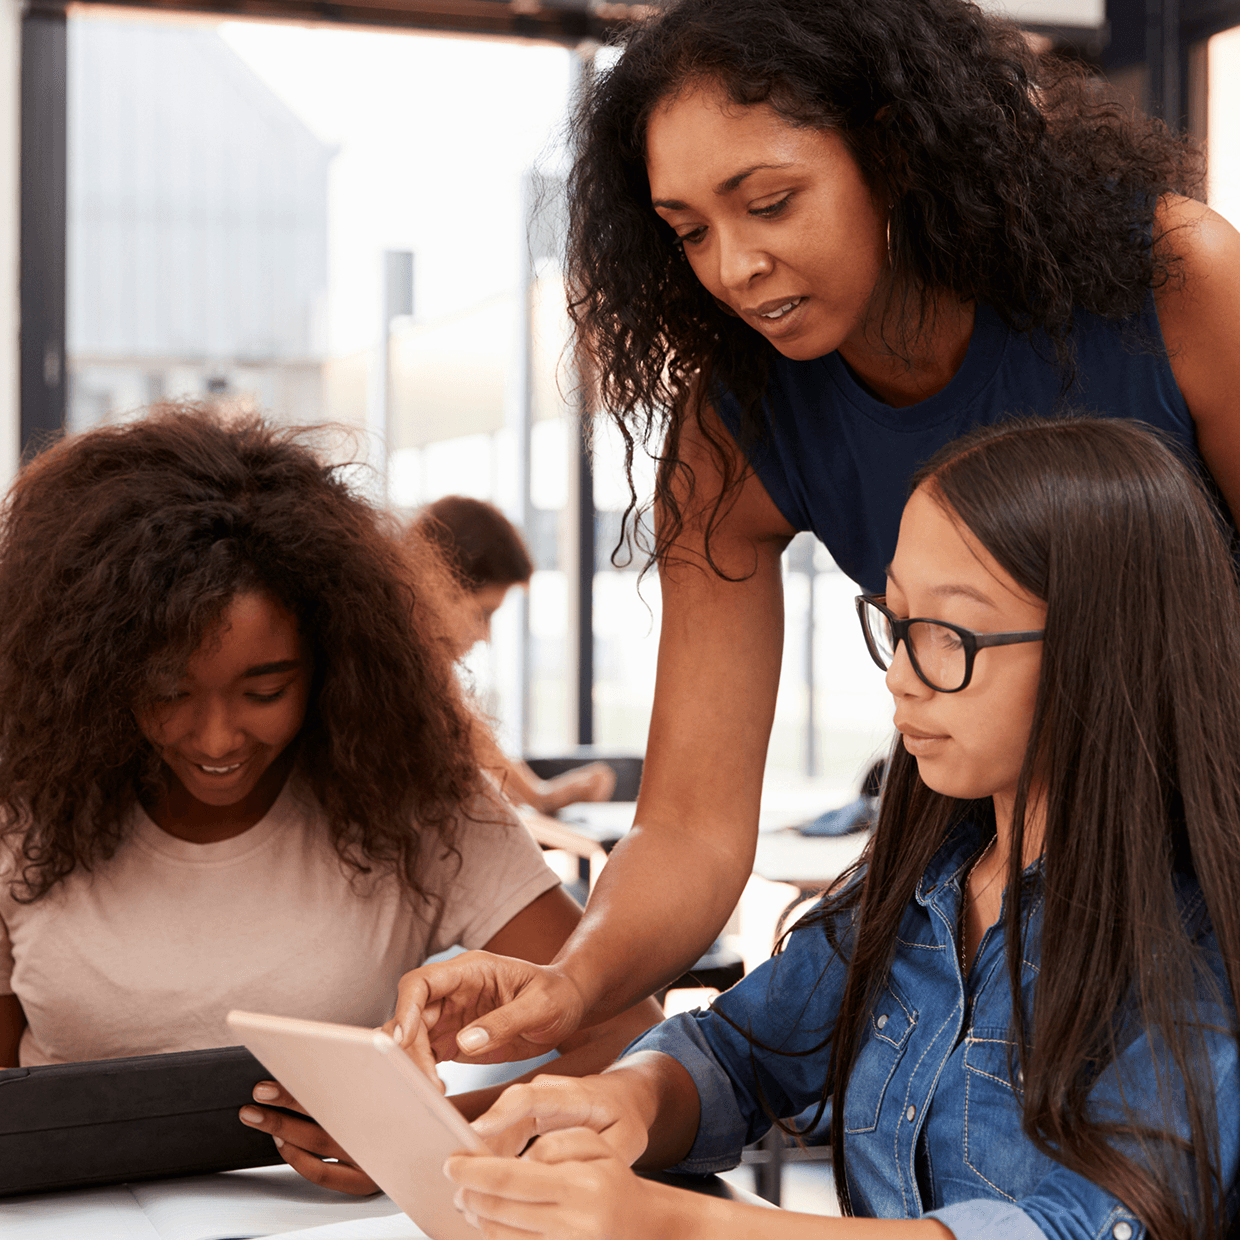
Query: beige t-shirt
{"type": "Point", "coordinates": [149, 952]}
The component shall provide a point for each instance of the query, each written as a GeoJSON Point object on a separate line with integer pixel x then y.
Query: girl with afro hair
{"type": "Point", "coordinates": [235, 765]}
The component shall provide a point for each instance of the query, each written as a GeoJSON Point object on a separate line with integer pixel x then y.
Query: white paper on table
{"type": "Point", "coordinates": [234, 1205]}
{"type": "Point", "coordinates": [77, 1214]}
{"type": "Point", "coordinates": [394, 1227]}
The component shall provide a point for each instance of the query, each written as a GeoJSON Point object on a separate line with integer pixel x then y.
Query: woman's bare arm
{"type": "Point", "coordinates": [670, 885]}
{"type": "Point", "coordinates": [673, 881]}
{"type": "Point", "coordinates": [1199, 313]}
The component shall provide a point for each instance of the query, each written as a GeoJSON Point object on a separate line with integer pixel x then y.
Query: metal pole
{"type": "Point", "coordinates": [585, 573]}
{"type": "Point", "coordinates": [44, 223]}
{"type": "Point", "coordinates": [811, 715]}
{"type": "Point", "coordinates": [397, 301]}
{"type": "Point", "coordinates": [525, 422]}
{"type": "Point", "coordinates": [1163, 62]}
{"type": "Point", "coordinates": [584, 489]}
{"type": "Point", "coordinates": [1173, 110]}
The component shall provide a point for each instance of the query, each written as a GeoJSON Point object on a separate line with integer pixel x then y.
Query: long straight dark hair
{"type": "Point", "coordinates": [1135, 743]}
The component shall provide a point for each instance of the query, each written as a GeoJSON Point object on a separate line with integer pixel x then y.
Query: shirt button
{"type": "Point", "coordinates": [1122, 1230]}
{"type": "Point", "coordinates": [881, 1022]}
{"type": "Point", "coordinates": [911, 1114]}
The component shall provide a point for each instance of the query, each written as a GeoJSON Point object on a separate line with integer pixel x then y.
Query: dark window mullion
{"type": "Point", "coordinates": [43, 224]}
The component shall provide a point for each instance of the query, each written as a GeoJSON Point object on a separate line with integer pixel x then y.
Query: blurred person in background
{"type": "Point", "coordinates": [489, 557]}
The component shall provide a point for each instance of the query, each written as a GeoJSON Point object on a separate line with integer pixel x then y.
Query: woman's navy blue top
{"type": "Point", "coordinates": [837, 461]}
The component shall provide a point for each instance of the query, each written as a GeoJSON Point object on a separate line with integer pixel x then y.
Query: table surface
{"type": "Point", "coordinates": [783, 854]}
{"type": "Point", "coordinates": [266, 1201]}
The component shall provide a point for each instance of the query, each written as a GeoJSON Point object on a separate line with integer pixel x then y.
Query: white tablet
{"type": "Point", "coordinates": [367, 1094]}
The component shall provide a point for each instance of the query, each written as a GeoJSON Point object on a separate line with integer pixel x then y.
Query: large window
{"type": "Point", "coordinates": [1223, 124]}
{"type": "Point", "coordinates": [238, 194]}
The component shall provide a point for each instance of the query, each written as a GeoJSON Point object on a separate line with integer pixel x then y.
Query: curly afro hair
{"type": "Point", "coordinates": [119, 551]}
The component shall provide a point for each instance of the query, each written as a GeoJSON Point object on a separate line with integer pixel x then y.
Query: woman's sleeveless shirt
{"type": "Point", "coordinates": [837, 461]}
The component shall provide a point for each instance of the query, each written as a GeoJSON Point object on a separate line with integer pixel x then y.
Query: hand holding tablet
{"type": "Point", "coordinates": [368, 1095]}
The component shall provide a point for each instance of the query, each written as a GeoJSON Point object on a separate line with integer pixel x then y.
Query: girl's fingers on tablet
{"type": "Point", "coordinates": [340, 1177]}
{"type": "Point", "coordinates": [303, 1133]}
{"type": "Point", "coordinates": [572, 1200]}
{"type": "Point", "coordinates": [274, 1094]}
{"type": "Point", "coordinates": [522, 1179]}
{"type": "Point", "coordinates": [499, 1217]}
{"type": "Point", "coordinates": [540, 1106]}
{"type": "Point", "coordinates": [504, 1177]}
{"type": "Point", "coordinates": [551, 1103]}
{"type": "Point", "coordinates": [570, 1145]}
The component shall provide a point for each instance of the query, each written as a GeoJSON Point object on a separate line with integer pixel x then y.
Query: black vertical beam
{"type": "Point", "coordinates": [768, 1172]}
{"type": "Point", "coordinates": [811, 703]}
{"type": "Point", "coordinates": [44, 223]}
{"type": "Point", "coordinates": [1164, 61]}
{"type": "Point", "coordinates": [585, 576]}
{"type": "Point", "coordinates": [1126, 22]}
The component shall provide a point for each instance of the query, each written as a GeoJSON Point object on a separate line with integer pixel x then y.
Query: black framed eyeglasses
{"type": "Point", "coordinates": [942, 654]}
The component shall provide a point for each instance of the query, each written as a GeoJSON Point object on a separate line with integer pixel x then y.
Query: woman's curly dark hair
{"type": "Point", "coordinates": [1012, 180]}
{"type": "Point", "coordinates": [121, 548]}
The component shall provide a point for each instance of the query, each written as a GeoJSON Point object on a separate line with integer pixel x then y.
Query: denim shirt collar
{"type": "Point", "coordinates": [948, 868]}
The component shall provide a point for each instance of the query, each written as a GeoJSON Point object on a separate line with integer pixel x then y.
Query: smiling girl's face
{"type": "Point", "coordinates": [222, 727]}
{"type": "Point", "coordinates": [776, 221]}
{"type": "Point", "coordinates": [969, 744]}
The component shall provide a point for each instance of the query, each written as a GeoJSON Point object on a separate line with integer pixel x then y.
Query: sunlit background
{"type": "Point", "coordinates": [233, 191]}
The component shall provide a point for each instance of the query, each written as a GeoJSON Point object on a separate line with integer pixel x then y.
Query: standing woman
{"type": "Point", "coordinates": [813, 241]}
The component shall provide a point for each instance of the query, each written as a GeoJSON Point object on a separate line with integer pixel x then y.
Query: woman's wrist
{"type": "Point", "coordinates": [584, 975]}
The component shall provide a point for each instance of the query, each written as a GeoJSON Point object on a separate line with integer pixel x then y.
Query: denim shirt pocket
{"type": "Point", "coordinates": [993, 1107]}
{"type": "Point", "coordinates": [887, 1033]}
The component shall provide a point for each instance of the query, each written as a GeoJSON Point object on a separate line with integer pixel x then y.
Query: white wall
{"type": "Point", "coordinates": [1050, 12]}
{"type": "Point", "coordinates": [10, 155]}
{"type": "Point", "coordinates": [197, 201]}
{"type": "Point", "coordinates": [1223, 126]}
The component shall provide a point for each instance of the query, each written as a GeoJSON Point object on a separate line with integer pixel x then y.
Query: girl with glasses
{"type": "Point", "coordinates": [1019, 1006]}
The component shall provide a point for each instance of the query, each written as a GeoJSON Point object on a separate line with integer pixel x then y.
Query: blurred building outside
{"type": "Point", "coordinates": [197, 243]}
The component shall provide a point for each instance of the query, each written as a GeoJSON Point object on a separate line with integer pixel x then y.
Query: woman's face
{"type": "Point", "coordinates": [969, 744]}
{"type": "Point", "coordinates": [471, 621]}
{"type": "Point", "coordinates": [239, 703]}
{"type": "Point", "coordinates": [776, 221]}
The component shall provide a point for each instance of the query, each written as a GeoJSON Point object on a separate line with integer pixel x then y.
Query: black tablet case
{"type": "Point", "coordinates": [110, 1120]}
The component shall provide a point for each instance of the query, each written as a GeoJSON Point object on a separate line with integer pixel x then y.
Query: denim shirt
{"type": "Point", "coordinates": [932, 1114]}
